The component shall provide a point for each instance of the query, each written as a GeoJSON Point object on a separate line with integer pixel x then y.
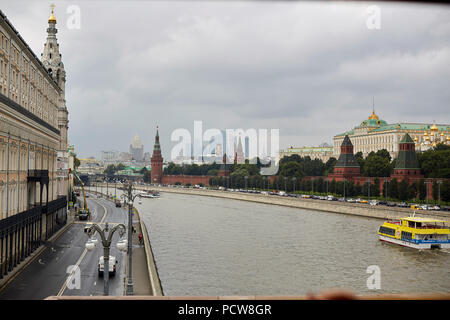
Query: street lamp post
{"type": "Point", "coordinates": [312, 180]}
{"type": "Point", "coordinates": [427, 183]}
{"type": "Point", "coordinates": [106, 242]}
{"type": "Point", "coordinates": [344, 188]}
{"type": "Point", "coordinates": [327, 186]}
{"type": "Point", "coordinates": [246, 187]}
{"type": "Point", "coordinates": [130, 197]}
{"type": "Point", "coordinates": [285, 185]}
{"type": "Point", "coordinates": [294, 180]}
{"type": "Point", "coordinates": [386, 181]}
{"type": "Point", "coordinates": [368, 190]}
{"type": "Point", "coordinates": [439, 182]}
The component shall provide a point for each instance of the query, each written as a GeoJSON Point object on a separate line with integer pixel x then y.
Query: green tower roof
{"type": "Point", "coordinates": [407, 159]}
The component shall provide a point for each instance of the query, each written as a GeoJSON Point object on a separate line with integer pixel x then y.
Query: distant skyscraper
{"type": "Point", "coordinates": [110, 156]}
{"type": "Point", "coordinates": [137, 149]}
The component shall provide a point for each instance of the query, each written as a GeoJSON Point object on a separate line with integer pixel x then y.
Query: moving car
{"type": "Point", "coordinates": [112, 265]}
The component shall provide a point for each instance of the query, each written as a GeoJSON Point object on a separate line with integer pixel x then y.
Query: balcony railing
{"type": "Point", "coordinates": [38, 176]}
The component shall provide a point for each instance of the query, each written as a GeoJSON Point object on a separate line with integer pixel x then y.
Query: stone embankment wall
{"type": "Point", "coordinates": [359, 209]}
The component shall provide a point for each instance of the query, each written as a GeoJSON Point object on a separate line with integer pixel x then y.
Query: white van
{"type": "Point", "coordinates": [112, 265]}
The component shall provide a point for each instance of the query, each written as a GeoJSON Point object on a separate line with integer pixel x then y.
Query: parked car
{"type": "Point", "coordinates": [391, 204]}
{"type": "Point", "coordinates": [363, 201]}
{"type": "Point", "coordinates": [382, 203]}
{"type": "Point", "coordinates": [112, 265]}
{"type": "Point", "coordinates": [373, 202]}
{"type": "Point", "coordinates": [118, 204]}
{"type": "Point", "coordinates": [402, 205]}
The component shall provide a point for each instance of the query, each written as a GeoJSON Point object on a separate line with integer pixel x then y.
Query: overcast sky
{"type": "Point", "coordinates": [308, 69]}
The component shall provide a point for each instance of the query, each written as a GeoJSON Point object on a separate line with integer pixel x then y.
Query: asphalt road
{"type": "Point", "coordinates": [49, 274]}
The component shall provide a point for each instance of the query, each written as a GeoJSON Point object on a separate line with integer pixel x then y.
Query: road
{"type": "Point", "coordinates": [48, 274]}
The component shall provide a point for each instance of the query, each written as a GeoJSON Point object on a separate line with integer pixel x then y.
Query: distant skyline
{"type": "Point", "coordinates": [308, 69]}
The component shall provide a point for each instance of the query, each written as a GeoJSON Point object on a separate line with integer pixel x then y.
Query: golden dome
{"type": "Point", "coordinates": [415, 139]}
{"type": "Point", "coordinates": [427, 138]}
{"type": "Point", "coordinates": [52, 17]}
{"type": "Point", "coordinates": [373, 116]}
{"type": "Point", "coordinates": [425, 134]}
{"type": "Point", "coordinates": [448, 138]}
{"type": "Point", "coordinates": [434, 127]}
{"type": "Point", "coordinates": [442, 134]}
{"type": "Point", "coordinates": [432, 134]}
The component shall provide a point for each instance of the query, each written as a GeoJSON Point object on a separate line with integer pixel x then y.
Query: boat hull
{"type": "Point", "coordinates": [420, 245]}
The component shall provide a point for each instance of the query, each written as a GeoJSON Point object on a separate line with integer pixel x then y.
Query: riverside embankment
{"type": "Point", "coordinates": [358, 209]}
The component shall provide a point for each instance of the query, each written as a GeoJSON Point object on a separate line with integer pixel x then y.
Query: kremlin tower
{"type": "Point", "coordinates": [157, 161]}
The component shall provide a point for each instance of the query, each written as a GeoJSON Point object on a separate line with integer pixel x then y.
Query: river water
{"type": "Point", "coordinates": [212, 246]}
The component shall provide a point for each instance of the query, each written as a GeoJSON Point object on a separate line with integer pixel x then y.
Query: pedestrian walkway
{"type": "Point", "coordinates": [141, 280]}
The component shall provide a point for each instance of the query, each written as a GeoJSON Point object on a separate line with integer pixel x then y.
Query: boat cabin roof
{"type": "Point", "coordinates": [421, 219]}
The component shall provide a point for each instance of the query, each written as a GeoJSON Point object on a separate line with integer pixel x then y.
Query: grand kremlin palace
{"type": "Point", "coordinates": [374, 134]}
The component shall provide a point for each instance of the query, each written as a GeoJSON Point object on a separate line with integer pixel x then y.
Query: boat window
{"type": "Point", "coordinates": [387, 231]}
{"type": "Point", "coordinates": [406, 235]}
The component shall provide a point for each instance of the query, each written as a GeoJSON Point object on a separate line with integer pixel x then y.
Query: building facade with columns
{"type": "Point", "coordinates": [374, 134]}
{"type": "Point", "coordinates": [33, 143]}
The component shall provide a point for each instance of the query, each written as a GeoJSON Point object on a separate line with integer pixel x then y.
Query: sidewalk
{"type": "Point", "coordinates": [141, 280]}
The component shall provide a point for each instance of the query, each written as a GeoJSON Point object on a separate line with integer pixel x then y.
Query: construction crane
{"type": "Point", "coordinates": [84, 213]}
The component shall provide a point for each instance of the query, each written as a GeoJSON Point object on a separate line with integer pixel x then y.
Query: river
{"type": "Point", "coordinates": [212, 246]}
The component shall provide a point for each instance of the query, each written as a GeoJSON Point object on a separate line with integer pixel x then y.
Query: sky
{"type": "Point", "coordinates": [311, 70]}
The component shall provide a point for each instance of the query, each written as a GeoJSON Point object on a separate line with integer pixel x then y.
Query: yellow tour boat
{"type": "Point", "coordinates": [416, 232]}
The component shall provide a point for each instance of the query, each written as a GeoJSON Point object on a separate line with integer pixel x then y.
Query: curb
{"type": "Point", "coordinates": [151, 264]}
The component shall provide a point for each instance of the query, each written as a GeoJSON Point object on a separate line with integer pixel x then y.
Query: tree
{"type": "Point", "coordinates": [403, 190]}
{"type": "Point", "coordinates": [445, 191]}
{"type": "Point", "coordinates": [435, 163]}
{"type": "Point", "coordinates": [376, 166]}
{"type": "Point", "coordinates": [329, 165]}
{"type": "Point", "coordinates": [147, 175]}
{"type": "Point", "coordinates": [384, 154]}
{"type": "Point", "coordinates": [360, 159]}
{"type": "Point", "coordinates": [422, 189]}
{"type": "Point", "coordinates": [76, 163]}
{"type": "Point", "coordinates": [292, 169]}
{"type": "Point", "coordinates": [110, 170]}
{"type": "Point", "coordinates": [120, 167]}
{"type": "Point", "coordinates": [393, 188]}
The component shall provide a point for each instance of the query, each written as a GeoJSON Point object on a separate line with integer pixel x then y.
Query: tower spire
{"type": "Point", "coordinates": [373, 104]}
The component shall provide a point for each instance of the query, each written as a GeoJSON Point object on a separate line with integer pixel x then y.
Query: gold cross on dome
{"type": "Point", "coordinates": [52, 6]}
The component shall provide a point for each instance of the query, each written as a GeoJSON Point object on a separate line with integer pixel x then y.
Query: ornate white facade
{"type": "Point", "coordinates": [374, 134]}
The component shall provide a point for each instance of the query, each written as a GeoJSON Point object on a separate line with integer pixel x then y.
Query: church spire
{"type": "Point", "coordinates": [51, 57]}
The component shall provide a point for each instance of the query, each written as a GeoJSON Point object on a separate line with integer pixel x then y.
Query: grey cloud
{"type": "Point", "coordinates": [309, 69]}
